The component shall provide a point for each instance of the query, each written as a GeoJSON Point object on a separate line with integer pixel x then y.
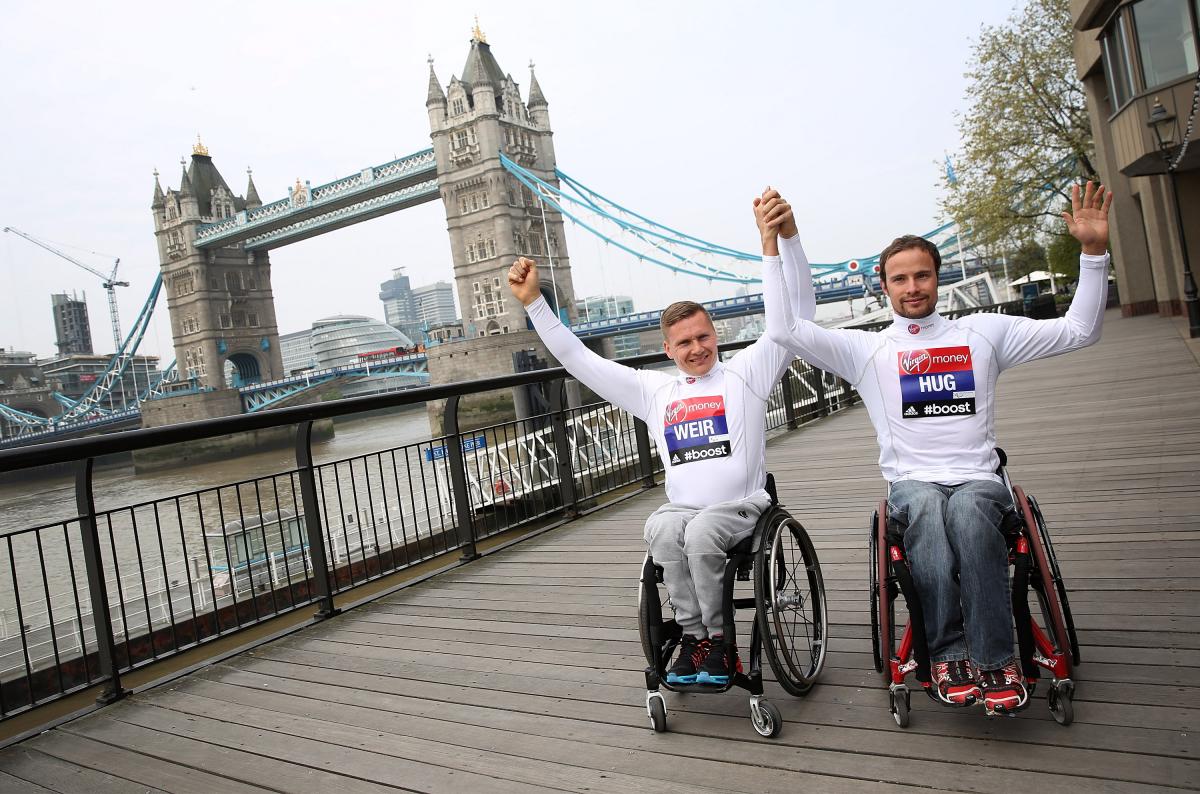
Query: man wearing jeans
{"type": "Point", "coordinates": [929, 387]}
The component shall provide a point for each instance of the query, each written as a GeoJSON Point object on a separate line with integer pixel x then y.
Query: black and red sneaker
{"type": "Point", "coordinates": [956, 684]}
{"type": "Point", "coordinates": [692, 653]}
{"type": "Point", "coordinates": [715, 670]}
{"type": "Point", "coordinates": [1004, 690]}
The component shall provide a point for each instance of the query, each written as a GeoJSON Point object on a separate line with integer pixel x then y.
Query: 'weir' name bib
{"type": "Point", "coordinates": [695, 429]}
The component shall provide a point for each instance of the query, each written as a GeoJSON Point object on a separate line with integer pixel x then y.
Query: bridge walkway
{"type": "Point", "coordinates": [522, 671]}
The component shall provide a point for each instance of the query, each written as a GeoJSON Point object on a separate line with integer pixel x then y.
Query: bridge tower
{"type": "Point", "coordinates": [490, 216]}
{"type": "Point", "coordinates": [220, 300]}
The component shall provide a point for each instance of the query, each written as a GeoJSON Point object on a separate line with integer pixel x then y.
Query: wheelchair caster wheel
{"type": "Point", "coordinates": [766, 718]}
{"type": "Point", "coordinates": [1059, 701]}
{"type": "Point", "coordinates": [658, 712]}
{"type": "Point", "coordinates": [900, 704]}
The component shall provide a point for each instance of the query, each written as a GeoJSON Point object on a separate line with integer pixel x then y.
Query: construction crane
{"type": "Point", "coordinates": [109, 282]}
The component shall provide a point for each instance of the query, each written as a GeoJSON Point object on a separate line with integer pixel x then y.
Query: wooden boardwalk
{"type": "Point", "coordinates": [522, 671]}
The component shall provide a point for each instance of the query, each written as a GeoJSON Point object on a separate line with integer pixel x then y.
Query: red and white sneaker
{"type": "Point", "coordinates": [956, 684]}
{"type": "Point", "coordinates": [1004, 690]}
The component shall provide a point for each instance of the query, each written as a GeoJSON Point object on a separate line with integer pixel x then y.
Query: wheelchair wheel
{"type": "Point", "coordinates": [882, 605]}
{"type": "Point", "coordinates": [767, 720]}
{"type": "Point", "coordinates": [790, 595]}
{"type": "Point", "coordinates": [1045, 587]}
{"type": "Point", "coordinates": [650, 613]}
{"type": "Point", "coordinates": [1056, 574]}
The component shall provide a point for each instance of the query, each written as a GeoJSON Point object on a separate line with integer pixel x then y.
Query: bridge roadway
{"type": "Point", "coordinates": [522, 671]}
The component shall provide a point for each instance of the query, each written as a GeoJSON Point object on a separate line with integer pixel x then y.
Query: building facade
{"type": "Point", "coordinates": [1132, 55]}
{"type": "Point", "coordinates": [297, 352]}
{"type": "Point", "coordinates": [339, 341]}
{"type": "Point", "coordinates": [220, 300]}
{"type": "Point", "coordinates": [75, 375]}
{"type": "Point", "coordinates": [24, 387]}
{"type": "Point", "coordinates": [491, 217]}
{"type": "Point", "coordinates": [435, 304]}
{"type": "Point", "coordinates": [72, 332]}
{"type": "Point", "coordinates": [399, 304]}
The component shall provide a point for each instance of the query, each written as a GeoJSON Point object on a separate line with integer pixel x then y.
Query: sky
{"type": "Point", "coordinates": [681, 111]}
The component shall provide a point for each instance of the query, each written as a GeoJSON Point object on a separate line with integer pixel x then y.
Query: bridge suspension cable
{"type": "Point", "coordinates": [573, 199]}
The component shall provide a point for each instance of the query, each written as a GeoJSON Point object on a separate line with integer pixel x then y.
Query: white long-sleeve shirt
{"type": "Point", "coordinates": [710, 430]}
{"type": "Point", "coordinates": [929, 385]}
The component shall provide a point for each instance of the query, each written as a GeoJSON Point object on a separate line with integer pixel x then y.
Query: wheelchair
{"type": "Point", "coordinates": [1051, 644]}
{"type": "Point", "coordinates": [790, 618]}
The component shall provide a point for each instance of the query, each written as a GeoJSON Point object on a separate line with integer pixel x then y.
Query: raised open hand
{"type": "Point", "coordinates": [1088, 219]}
{"type": "Point", "coordinates": [523, 281]}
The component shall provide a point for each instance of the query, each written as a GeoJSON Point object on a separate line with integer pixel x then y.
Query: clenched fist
{"type": "Point", "coordinates": [523, 281]}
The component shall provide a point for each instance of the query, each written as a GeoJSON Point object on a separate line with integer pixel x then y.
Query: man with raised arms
{"type": "Point", "coordinates": [929, 387]}
{"type": "Point", "coordinates": [708, 419]}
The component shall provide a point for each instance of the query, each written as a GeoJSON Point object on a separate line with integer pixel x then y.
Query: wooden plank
{"type": "Point", "coordinates": [522, 671]}
{"type": "Point", "coordinates": [59, 775]}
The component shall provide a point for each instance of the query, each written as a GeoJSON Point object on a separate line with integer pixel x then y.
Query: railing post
{"type": "Point", "coordinates": [562, 450]}
{"type": "Point", "coordinates": [312, 522]}
{"type": "Point", "coordinates": [645, 461]}
{"type": "Point", "coordinates": [458, 480]}
{"type": "Point", "coordinates": [817, 381]}
{"type": "Point", "coordinates": [847, 398]}
{"type": "Point", "coordinates": [106, 646]}
{"type": "Point", "coordinates": [789, 398]}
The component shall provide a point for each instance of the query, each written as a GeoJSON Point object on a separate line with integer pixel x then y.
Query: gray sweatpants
{"type": "Point", "coordinates": [691, 546]}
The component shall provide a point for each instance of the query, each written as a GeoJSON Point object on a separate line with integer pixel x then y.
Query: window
{"type": "Point", "coordinates": [1166, 42]}
{"type": "Point", "coordinates": [214, 283]}
{"type": "Point", "coordinates": [183, 284]}
{"type": "Point", "coordinates": [460, 140]}
{"type": "Point", "coordinates": [233, 281]}
{"type": "Point", "coordinates": [252, 319]}
{"type": "Point", "coordinates": [458, 107]}
{"type": "Point", "coordinates": [225, 321]}
{"type": "Point", "coordinates": [489, 299]}
{"type": "Point", "coordinates": [239, 319]}
{"type": "Point", "coordinates": [250, 282]}
{"type": "Point", "coordinates": [1116, 63]}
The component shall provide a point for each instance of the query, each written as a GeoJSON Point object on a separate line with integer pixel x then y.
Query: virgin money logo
{"type": "Point", "coordinates": [913, 328]}
{"type": "Point", "coordinates": [915, 362]}
{"type": "Point", "coordinates": [676, 412]}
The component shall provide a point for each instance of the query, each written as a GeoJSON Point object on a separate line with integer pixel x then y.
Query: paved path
{"type": "Point", "coordinates": [522, 671]}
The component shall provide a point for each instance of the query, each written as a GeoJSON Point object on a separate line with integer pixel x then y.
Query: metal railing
{"type": "Point", "coordinates": [85, 600]}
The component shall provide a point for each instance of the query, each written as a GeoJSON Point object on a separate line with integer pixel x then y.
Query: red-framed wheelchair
{"type": "Point", "coordinates": [1046, 642]}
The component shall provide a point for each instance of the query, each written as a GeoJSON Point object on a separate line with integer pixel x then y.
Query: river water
{"type": "Point", "coordinates": [149, 537]}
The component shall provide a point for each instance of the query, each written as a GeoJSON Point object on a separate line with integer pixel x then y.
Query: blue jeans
{"type": "Point", "coordinates": [959, 563]}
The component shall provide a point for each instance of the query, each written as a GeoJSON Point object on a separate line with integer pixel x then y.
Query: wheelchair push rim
{"type": "Point", "coordinates": [792, 611]}
{"type": "Point", "coordinates": [1047, 588]}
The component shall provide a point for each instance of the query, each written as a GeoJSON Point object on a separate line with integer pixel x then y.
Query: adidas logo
{"type": "Point", "coordinates": [674, 460]}
{"type": "Point", "coordinates": [912, 411]}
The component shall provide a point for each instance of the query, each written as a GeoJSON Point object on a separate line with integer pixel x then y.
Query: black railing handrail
{"type": "Point", "coordinates": [130, 440]}
{"type": "Point", "coordinates": [76, 449]}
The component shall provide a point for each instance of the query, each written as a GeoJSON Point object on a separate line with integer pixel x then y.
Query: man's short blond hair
{"type": "Point", "coordinates": [680, 310]}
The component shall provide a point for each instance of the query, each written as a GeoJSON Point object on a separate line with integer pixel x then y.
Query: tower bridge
{"type": "Point", "coordinates": [492, 163]}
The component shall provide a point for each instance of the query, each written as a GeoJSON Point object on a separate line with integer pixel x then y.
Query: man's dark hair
{"type": "Point", "coordinates": [905, 243]}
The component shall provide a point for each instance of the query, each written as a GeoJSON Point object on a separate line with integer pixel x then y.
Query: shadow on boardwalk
{"type": "Point", "coordinates": [522, 671]}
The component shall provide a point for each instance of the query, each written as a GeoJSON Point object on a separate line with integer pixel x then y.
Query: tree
{"type": "Point", "coordinates": [1062, 255]}
{"type": "Point", "coordinates": [1026, 135]}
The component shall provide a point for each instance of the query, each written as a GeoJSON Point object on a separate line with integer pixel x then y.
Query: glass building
{"type": "Point", "coordinates": [338, 341]}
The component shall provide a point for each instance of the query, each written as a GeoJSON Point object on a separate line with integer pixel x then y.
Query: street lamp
{"type": "Point", "coordinates": [1163, 123]}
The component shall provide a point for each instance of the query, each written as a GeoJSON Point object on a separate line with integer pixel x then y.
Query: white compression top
{"type": "Point", "coordinates": [929, 385]}
{"type": "Point", "coordinates": [710, 430]}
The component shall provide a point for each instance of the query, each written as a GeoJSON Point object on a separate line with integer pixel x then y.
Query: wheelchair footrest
{"type": "Point", "coordinates": [743, 603]}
